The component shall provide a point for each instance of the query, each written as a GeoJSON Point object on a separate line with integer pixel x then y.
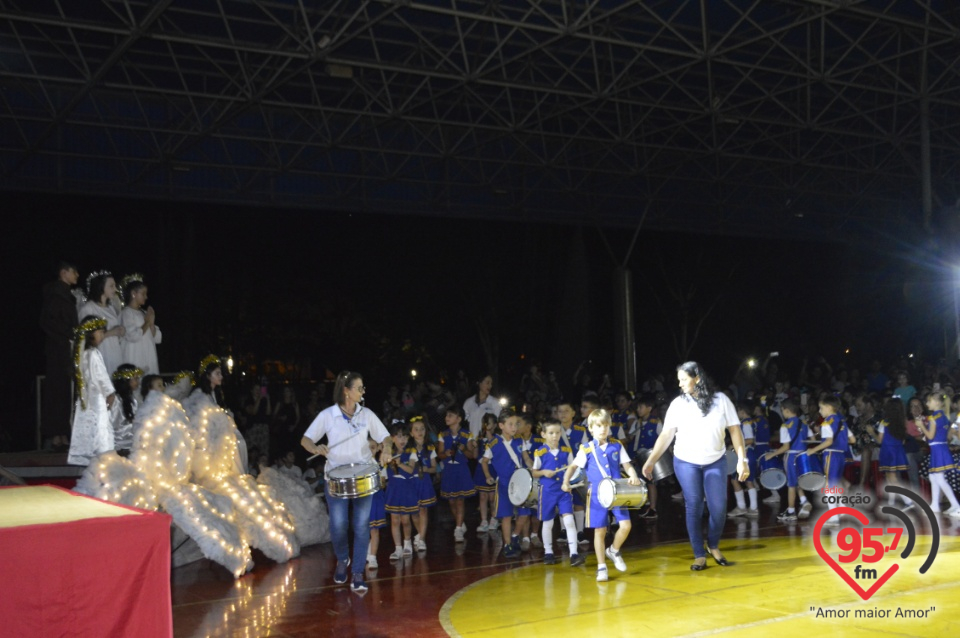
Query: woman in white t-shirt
{"type": "Point", "coordinates": [698, 419]}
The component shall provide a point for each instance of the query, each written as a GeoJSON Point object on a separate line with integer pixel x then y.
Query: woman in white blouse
{"type": "Point", "coordinates": [698, 418]}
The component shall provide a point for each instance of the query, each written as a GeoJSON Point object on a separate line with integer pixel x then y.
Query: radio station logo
{"type": "Point", "coordinates": [863, 548]}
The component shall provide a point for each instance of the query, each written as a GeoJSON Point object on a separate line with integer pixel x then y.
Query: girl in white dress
{"type": "Point", "coordinates": [92, 432]}
{"type": "Point", "coordinates": [102, 301]}
{"type": "Point", "coordinates": [139, 321]}
{"type": "Point", "coordinates": [126, 381]}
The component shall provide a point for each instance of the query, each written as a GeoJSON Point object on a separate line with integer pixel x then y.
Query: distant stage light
{"type": "Point", "coordinates": [503, 402]}
{"type": "Point", "coordinates": [230, 365]}
{"type": "Point", "coordinates": [413, 374]}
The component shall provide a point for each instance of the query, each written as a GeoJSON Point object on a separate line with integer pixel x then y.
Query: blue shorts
{"type": "Point", "coordinates": [552, 498]}
{"type": "Point", "coordinates": [596, 516]}
{"type": "Point", "coordinates": [790, 467]}
{"type": "Point", "coordinates": [502, 508]}
{"type": "Point", "coordinates": [834, 463]}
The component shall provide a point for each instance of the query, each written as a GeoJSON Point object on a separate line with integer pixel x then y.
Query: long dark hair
{"type": "Point", "coordinates": [203, 383]}
{"type": "Point", "coordinates": [124, 391]}
{"type": "Point", "coordinates": [704, 390]}
{"type": "Point", "coordinates": [895, 416]}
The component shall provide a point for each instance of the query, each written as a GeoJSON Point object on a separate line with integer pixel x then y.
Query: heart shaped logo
{"type": "Point", "coordinates": [828, 559]}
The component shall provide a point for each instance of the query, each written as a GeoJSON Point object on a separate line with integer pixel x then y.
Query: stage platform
{"type": "Point", "coordinates": [76, 566]}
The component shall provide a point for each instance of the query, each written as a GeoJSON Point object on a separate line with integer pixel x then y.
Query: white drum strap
{"type": "Point", "coordinates": [513, 455]}
{"type": "Point", "coordinates": [563, 433]}
{"type": "Point", "coordinates": [597, 457]}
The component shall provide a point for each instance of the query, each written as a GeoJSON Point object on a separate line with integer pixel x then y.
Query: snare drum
{"type": "Point", "coordinates": [772, 475]}
{"type": "Point", "coordinates": [522, 489]}
{"type": "Point", "coordinates": [619, 493]}
{"type": "Point", "coordinates": [731, 461]}
{"type": "Point", "coordinates": [810, 472]}
{"type": "Point", "coordinates": [662, 468]}
{"type": "Point", "coordinates": [355, 480]}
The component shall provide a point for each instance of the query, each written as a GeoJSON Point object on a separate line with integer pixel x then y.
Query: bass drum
{"type": "Point", "coordinates": [522, 489]}
{"type": "Point", "coordinates": [772, 475]}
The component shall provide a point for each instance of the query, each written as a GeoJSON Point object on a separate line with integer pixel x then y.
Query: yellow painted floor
{"type": "Point", "coordinates": [776, 588]}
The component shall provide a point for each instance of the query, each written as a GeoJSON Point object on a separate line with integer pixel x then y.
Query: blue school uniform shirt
{"type": "Point", "coordinates": [500, 458]}
{"type": "Point", "coordinates": [942, 424]}
{"type": "Point", "coordinates": [453, 442]}
{"type": "Point", "coordinates": [577, 435]}
{"type": "Point", "coordinates": [647, 434]}
{"type": "Point", "coordinates": [550, 462]}
{"type": "Point", "coordinates": [795, 431]}
{"type": "Point", "coordinates": [761, 431]}
{"type": "Point", "coordinates": [746, 428]}
{"type": "Point", "coordinates": [840, 432]}
{"type": "Point", "coordinates": [611, 458]}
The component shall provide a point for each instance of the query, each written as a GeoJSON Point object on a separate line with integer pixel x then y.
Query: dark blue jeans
{"type": "Point", "coordinates": [340, 519]}
{"type": "Point", "coordinates": [697, 481]}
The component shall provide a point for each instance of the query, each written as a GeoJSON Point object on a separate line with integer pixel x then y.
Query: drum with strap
{"type": "Point", "coordinates": [619, 493]}
{"type": "Point", "coordinates": [772, 475]}
{"type": "Point", "coordinates": [522, 489]}
{"type": "Point", "coordinates": [810, 472]}
{"type": "Point", "coordinates": [354, 480]}
{"type": "Point", "coordinates": [662, 469]}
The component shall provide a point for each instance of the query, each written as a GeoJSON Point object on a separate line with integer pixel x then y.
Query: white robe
{"type": "Point", "coordinates": [110, 348]}
{"type": "Point", "coordinates": [122, 428]}
{"type": "Point", "coordinates": [140, 348]}
{"type": "Point", "coordinates": [92, 431]}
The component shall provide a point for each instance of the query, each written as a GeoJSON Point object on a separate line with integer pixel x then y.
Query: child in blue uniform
{"type": "Point", "coordinates": [602, 458]}
{"type": "Point", "coordinates": [935, 429]}
{"type": "Point", "coordinates": [485, 491]}
{"type": "Point", "coordinates": [528, 532]}
{"type": "Point", "coordinates": [426, 468]}
{"type": "Point", "coordinates": [645, 437]}
{"type": "Point", "coordinates": [745, 412]}
{"type": "Point", "coordinates": [835, 439]}
{"type": "Point", "coordinates": [378, 512]}
{"type": "Point", "coordinates": [890, 433]}
{"type": "Point", "coordinates": [401, 492]}
{"type": "Point", "coordinates": [454, 447]}
{"type": "Point", "coordinates": [503, 454]}
{"type": "Point", "coordinates": [549, 462]}
{"type": "Point", "coordinates": [793, 441]}
{"type": "Point", "coordinates": [572, 436]}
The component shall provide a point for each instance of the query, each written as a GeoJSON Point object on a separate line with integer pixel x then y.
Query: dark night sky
{"type": "Point", "coordinates": [346, 291]}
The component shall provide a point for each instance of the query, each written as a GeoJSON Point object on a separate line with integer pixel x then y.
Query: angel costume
{"type": "Point", "coordinates": [92, 431]}
{"type": "Point", "coordinates": [122, 427]}
{"type": "Point", "coordinates": [110, 348]}
{"type": "Point", "coordinates": [139, 347]}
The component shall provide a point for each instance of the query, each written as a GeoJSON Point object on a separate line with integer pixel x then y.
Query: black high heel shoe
{"type": "Point", "coordinates": [722, 561]}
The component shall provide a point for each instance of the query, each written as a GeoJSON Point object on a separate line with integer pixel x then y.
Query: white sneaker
{"type": "Point", "coordinates": [407, 548]}
{"type": "Point", "coordinates": [372, 561]}
{"type": "Point", "coordinates": [420, 545]}
{"type": "Point", "coordinates": [953, 513]}
{"type": "Point", "coordinates": [833, 521]}
{"type": "Point", "coordinates": [772, 499]}
{"type": "Point", "coordinates": [617, 559]}
{"type": "Point", "coordinates": [525, 545]}
{"type": "Point", "coordinates": [397, 554]}
{"type": "Point", "coordinates": [602, 574]}
{"type": "Point", "coordinates": [738, 511]}
{"type": "Point", "coordinates": [483, 528]}
{"type": "Point", "coordinates": [535, 541]}
{"type": "Point", "coordinates": [458, 534]}
{"type": "Point", "coordinates": [805, 510]}
{"type": "Point", "coordinates": [494, 524]}
{"type": "Point", "coordinates": [753, 513]}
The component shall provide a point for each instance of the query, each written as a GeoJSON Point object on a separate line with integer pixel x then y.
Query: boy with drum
{"type": "Point", "coordinates": [504, 453]}
{"type": "Point", "coordinates": [549, 461]}
{"type": "Point", "coordinates": [793, 436]}
{"type": "Point", "coordinates": [601, 459]}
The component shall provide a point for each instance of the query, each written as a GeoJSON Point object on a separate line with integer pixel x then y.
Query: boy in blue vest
{"type": "Point", "coordinates": [505, 452]}
{"type": "Point", "coordinates": [835, 439]}
{"type": "Point", "coordinates": [549, 463]}
{"type": "Point", "coordinates": [793, 436]}
{"type": "Point", "coordinates": [602, 458]}
{"type": "Point", "coordinates": [644, 439]}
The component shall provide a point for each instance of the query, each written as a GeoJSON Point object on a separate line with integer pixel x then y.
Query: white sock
{"type": "Point", "coordinates": [803, 500]}
{"type": "Point", "coordinates": [578, 516]}
{"type": "Point", "coordinates": [548, 537]}
{"type": "Point", "coordinates": [752, 493]}
{"type": "Point", "coordinates": [741, 501]}
{"type": "Point", "coordinates": [571, 527]}
{"type": "Point", "coordinates": [934, 492]}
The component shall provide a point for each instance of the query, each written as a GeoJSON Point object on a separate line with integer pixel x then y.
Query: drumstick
{"type": "Point", "coordinates": [330, 447]}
